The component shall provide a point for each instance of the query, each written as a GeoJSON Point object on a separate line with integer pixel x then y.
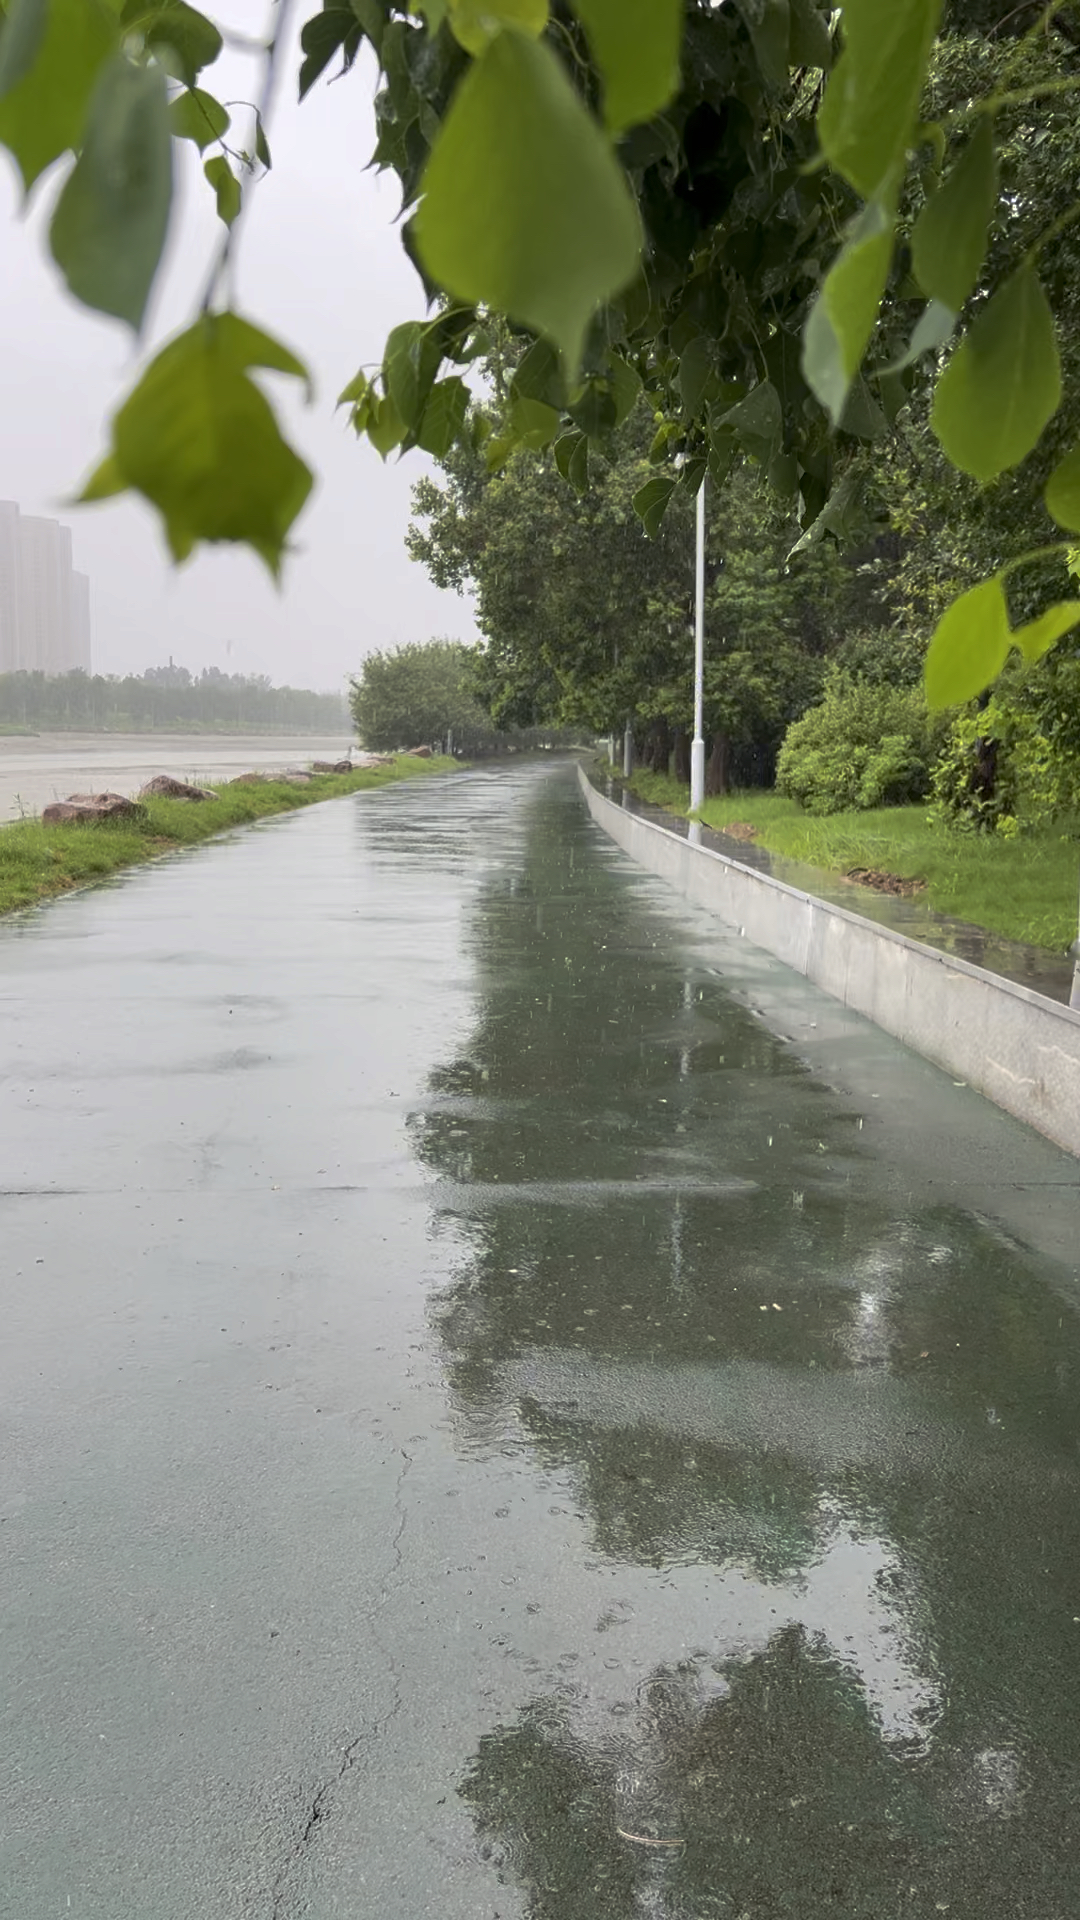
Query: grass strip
{"type": "Point", "coordinates": [37, 862]}
{"type": "Point", "coordinates": [1025, 889]}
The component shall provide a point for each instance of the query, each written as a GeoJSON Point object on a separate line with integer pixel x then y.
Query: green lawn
{"type": "Point", "coordinates": [38, 861]}
{"type": "Point", "coordinates": [1026, 888]}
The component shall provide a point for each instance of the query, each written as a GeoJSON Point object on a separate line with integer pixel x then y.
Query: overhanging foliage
{"type": "Point", "coordinates": [739, 209]}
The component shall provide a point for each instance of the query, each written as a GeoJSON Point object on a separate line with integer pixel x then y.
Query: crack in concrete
{"type": "Point", "coordinates": [320, 1804]}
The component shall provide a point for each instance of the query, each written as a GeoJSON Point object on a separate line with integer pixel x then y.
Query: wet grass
{"type": "Point", "coordinates": [1025, 888]}
{"type": "Point", "coordinates": [37, 862]}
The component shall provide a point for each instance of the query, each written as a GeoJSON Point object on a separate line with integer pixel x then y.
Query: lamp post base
{"type": "Point", "coordinates": [697, 774]}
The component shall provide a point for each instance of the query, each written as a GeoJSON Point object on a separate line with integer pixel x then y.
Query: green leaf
{"type": "Point", "coordinates": [22, 35]}
{"type": "Point", "coordinates": [625, 386]}
{"type": "Point", "coordinates": [934, 326]}
{"type": "Point", "coordinates": [358, 388]}
{"type": "Point", "coordinates": [320, 39]}
{"type": "Point", "coordinates": [862, 416]}
{"type": "Point", "coordinates": [200, 441]}
{"type": "Point", "coordinates": [949, 242]}
{"type": "Point", "coordinates": [497, 450]}
{"type": "Point", "coordinates": [443, 419]}
{"type": "Point", "coordinates": [723, 453]}
{"type": "Point", "coordinates": [692, 473]}
{"type": "Point", "coordinates": [538, 375]}
{"type": "Point", "coordinates": [970, 645]}
{"type": "Point", "coordinates": [410, 364]}
{"type": "Point", "coordinates": [1038, 636]}
{"type": "Point", "coordinates": [635, 44]}
{"type": "Point", "coordinates": [757, 421]}
{"type": "Point", "coordinates": [1002, 384]}
{"type": "Point", "coordinates": [386, 429]}
{"type": "Point", "coordinates": [432, 13]}
{"type": "Point", "coordinates": [871, 104]}
{"type": "Point", "coordinates": [593, 408]}
{"type": "Point", "coordinates": [251, 347]}
{"type": "Point", "coordinates": [111, 219]}
{"type": "Point", "coordinates": [105, 482]}
{"type": "Point", "coordinates": [524, 205]}
{"type": "Point", "coordinates": [843, 315]}
{"type": "Point", "coordinates": [784, 475]}
{"type": "Point", "coordinates": [651, 501]}
{"type": "Point", "coordinates": [811, 44]}
{"type": "Point", "coordinates": [892, 393]}
{"type": "Point", "coordinates": [532, 424]}
{"type": "Point", "coordinates": [44, 112]}
{"type": "Point", "coordinates": [474, 23]}
{"type": "Point", "coordinates": [666, 432]}
{"type": "Point", "coordinates": [182, 39]}
{"type": "Point", "coordinates": [195, 115]}
{"type": "Point", "coordinates": [226, 188]}
{"type": "Point", "coordinates": [1062, 494]}
{"type": "Point", "coordinates": [363, 412]}
{"type": "Point", "coordinates": [571, 452]}
{"type": "Point", "coordinates": [697, 374]}
{"type": "Point", "coordinates": [374, 22]}
{"type": "Point", "coordinates": [838, 516]}
{"type": "Point", "coordinates": [768, 23]}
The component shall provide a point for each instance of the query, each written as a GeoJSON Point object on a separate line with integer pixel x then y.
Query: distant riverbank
{"type": "Point", "coordinates": [214, 730]}
{"type": "Point", "coordinates": [37, 862]}
{"type": "Point", "coordinates": [49, 766]}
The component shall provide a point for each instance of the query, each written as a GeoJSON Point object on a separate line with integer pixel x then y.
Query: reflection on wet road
{"type": "Point", "coordinates": [637, 1471]}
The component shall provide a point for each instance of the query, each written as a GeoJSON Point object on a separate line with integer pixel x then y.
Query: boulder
{"type": "Point", "coordinates": [418, 753]}
{"type": "Point", "coordinates": [88, 808]}
{"type": "Point", "coordinates": [332, 766]}
{"type": "Point", "coordinates": [250, 780]}
{"type": "Point", "coordinates": [164, 787]}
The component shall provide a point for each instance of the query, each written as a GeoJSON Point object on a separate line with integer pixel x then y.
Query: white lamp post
{"type": "Point", "coordinates": [697, 745]}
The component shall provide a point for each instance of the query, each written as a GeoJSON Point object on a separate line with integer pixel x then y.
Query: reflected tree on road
{"type": "Point", "coordinates": [687, 1293]}
{"type": "Point", "coordinates": [761, 1788]}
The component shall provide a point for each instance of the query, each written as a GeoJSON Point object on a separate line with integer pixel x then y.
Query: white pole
{"type": "Point", "coordinates": [1075, 995]}
{"type": "Point", "coordinates": [697, 745]}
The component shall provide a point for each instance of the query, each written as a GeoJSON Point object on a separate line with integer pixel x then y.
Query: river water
{"type": "Point", "coordinates": [515, 1406]}
{"type": "Point", "coordinates": [49, 766]}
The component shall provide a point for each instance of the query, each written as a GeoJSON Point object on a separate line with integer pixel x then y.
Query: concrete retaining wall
{"type": "Point", "coordinates": [1018, 1048]}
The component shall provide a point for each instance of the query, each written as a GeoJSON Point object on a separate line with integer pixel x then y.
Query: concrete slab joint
{"type": "Point", "coordinates": [1018, 1048]}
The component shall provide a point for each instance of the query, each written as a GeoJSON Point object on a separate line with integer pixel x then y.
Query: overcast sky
{"type": "Point", "coordinates": [322, 267]}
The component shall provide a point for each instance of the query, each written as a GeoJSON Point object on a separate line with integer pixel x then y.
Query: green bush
{"type": "Point", "coordinates": [866, 745]}
{"type": "Point", "coordinates": [882, 656]}
{"type": "Point", "coordinates": [997, 772]}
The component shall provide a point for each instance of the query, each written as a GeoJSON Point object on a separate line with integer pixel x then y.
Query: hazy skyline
{"type": "Point", "coordinates": [320, 265]}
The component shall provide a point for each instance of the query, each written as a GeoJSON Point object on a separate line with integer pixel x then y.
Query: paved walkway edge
{"type": "Point", "coordinates": [1018, 1048]}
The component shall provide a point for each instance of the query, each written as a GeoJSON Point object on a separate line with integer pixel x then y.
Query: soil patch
{"type": "Point", "coordinates": [894, 883]}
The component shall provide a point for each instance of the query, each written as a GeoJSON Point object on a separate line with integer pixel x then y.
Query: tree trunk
{"type": "Point", "coordinates": [983, 782]}
{"type": "Point", "coordinates": [718, 766]}
{"type": "Point", "coordinates": [682, 756]}
{"type": "Point", "coordinates": [658, 746]}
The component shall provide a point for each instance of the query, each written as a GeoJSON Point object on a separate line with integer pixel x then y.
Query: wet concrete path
{"type": "Point", "coordinates": [511, 1404]}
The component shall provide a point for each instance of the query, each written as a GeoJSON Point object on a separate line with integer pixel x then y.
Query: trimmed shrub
{"type": "Point", "coordinates": [866, 745]}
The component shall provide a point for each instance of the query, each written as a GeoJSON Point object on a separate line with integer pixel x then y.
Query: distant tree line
{"type": "Point", "coordinates": [167, 700]}
{"type": "Point", "coordinates": [426, 694]}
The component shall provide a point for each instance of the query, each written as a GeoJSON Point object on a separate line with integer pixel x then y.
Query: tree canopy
{"type": "Point", "coordinates": [426, 692]}
{"type": "Point", "coordinates": [586, 621]}
{"type": "Point", "coordinates": [786, 225]}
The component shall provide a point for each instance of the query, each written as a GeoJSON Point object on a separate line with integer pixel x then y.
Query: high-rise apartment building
{"type": "Point", "coordinates": [44, 603]}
